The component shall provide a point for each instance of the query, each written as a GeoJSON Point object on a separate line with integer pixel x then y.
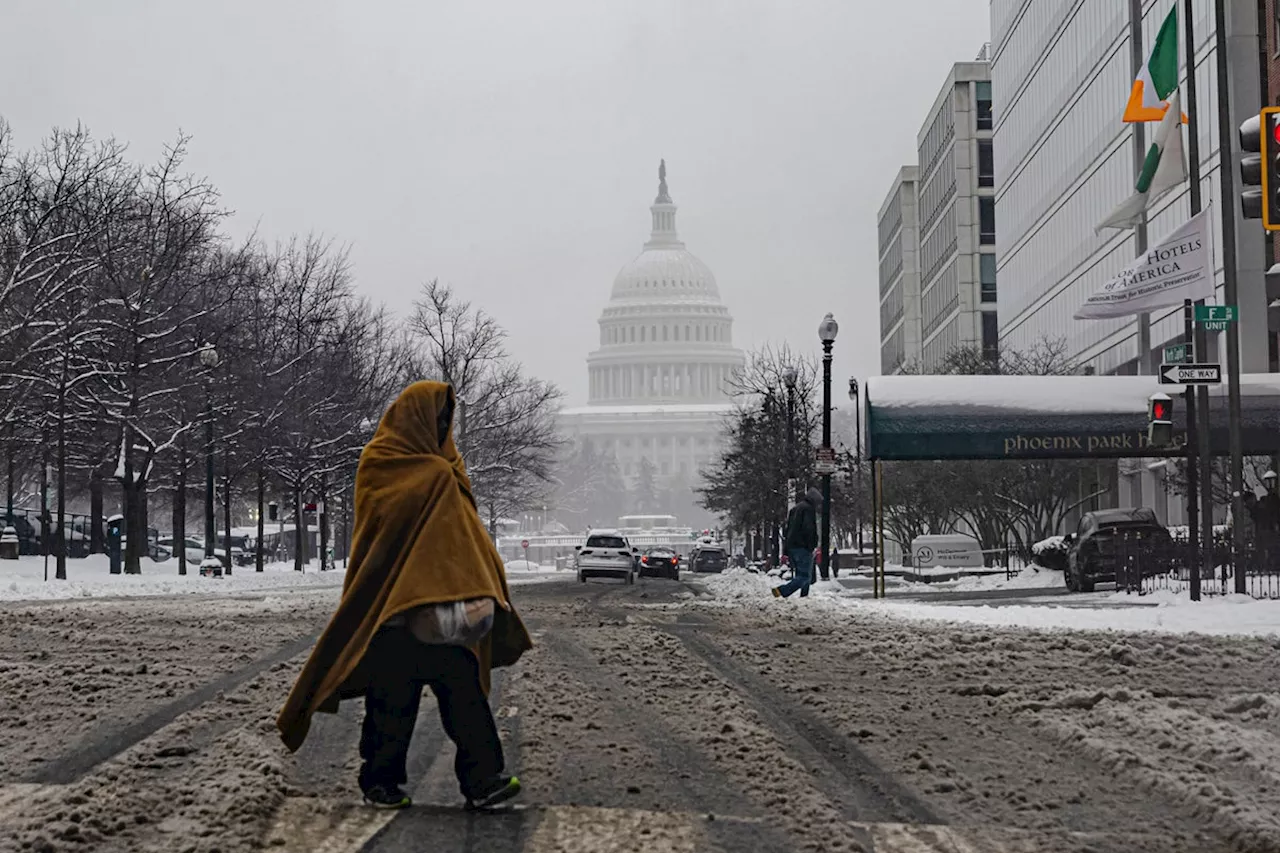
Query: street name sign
{"type": "Point", "coordinates": [1216, 318]}
{"type": "Point", "coordinates": [1190, 374]}
{"type": "Point", "coordinates": [1175, 353]}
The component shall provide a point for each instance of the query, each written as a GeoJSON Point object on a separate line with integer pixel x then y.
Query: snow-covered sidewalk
{"type": "Point", "coordinates": [23, 579]}
{"type": "Point", "coordinates": [1163, 612]}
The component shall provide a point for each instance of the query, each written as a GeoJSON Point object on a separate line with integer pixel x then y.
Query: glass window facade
{"type": "Point", "coordinates": [986, 164]}
{"type": "Point", "coordinates": [982, 92]}
{"type": "Point", "coordinates": [987, 221]}
{"type": "Point", "coordinates": [1061, 72]}
{"type": "Point", "coordinates": [987, 276]}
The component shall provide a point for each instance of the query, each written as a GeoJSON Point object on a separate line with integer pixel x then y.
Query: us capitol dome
{"type": "Point", "coordinates": [660, 379]}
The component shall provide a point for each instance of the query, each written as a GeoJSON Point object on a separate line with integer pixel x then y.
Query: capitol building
{"type": "Point", "coordinates": [660, 379]}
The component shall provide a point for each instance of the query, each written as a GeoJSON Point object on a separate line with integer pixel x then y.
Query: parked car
{"type": "Point", "coordinates": [242, 552]}
{"type": "Point", "coordinates": [1105, 536]}
{"type": "Point", "coordinates": [77, 543]}
{"type": "Point", "coordinates": [193, 547]}
{"type": "Point", "coordinates": [708, 557]}
{"type": "Point", "coordinates": [608, 553]}
{"type": "Point", "coordinates": [660, 562]}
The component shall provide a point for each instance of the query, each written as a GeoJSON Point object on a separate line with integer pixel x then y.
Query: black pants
{"type": "Point", "coordinates": [402, 666]}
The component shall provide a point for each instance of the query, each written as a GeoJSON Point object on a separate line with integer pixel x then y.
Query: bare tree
{"type": "Point", "coordinates": [505, 425]}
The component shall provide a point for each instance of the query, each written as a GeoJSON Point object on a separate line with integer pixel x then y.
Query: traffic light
{"type": "Point", "coordinates": [1260, 168]}
{"type": "Point", "coordinates": [1160, 420]}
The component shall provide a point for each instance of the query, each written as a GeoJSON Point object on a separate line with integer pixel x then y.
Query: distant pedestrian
{"type": "Point", "coordinates": [801, 538]}
{"type": "Point", "coordinates": [425, 603]}
{"type": "Point", "coordinates": [1266, 516]}
{"type": "Point", "coordinates": [835, 562]}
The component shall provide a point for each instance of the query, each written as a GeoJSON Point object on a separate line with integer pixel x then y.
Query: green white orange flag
{"type": "Point", "coordinates": [1164, 168]}
{"type": "Point", "coordinates": [1158, 78]}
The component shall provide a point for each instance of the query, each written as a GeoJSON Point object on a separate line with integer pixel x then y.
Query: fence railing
{"type": "Point", "coordinates": [1143, 566]}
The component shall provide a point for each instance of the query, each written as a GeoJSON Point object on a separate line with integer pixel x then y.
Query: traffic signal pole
{"type": "Point", "coordinates": [1197, 420]}
{"type": "Point", "coordinates": [1230, 294]}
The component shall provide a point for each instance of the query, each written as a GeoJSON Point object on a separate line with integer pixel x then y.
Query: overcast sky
{"type": "Point", "coordinates": [511, 148]}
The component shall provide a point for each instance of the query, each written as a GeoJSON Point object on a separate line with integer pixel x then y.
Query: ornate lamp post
{"type": "Point", "coordinates": [209, 359]}
{"type": "Point", "coordinates": [789, 376]}
{"type": "Point", "coordinates": [857, 455]}
{"type": "Point", "coordinates": [827, 331]}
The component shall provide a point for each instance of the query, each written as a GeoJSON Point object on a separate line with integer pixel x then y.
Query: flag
{"type": "Point", "coordinates": [1158, 78]}
{"type": "Point", "coordinates": [1164, 168]}
{"type": "Point", "coordinates": [1180, 267]}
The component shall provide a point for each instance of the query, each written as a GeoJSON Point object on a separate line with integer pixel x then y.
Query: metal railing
{"type": "Point", "coordinates": [1143, 566]}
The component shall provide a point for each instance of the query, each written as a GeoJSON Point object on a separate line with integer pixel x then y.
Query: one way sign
{"type": "Point", "coordinates": [1190, 374]}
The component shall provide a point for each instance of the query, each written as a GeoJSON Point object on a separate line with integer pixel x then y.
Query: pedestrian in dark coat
{"type": "Point", "coordinates": [801, 538]}
{"type": "Point", "coordinates": [835, 562]}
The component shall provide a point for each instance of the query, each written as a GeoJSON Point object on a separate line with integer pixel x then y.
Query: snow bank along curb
{"type": "Point", "coordinates": [1230, 615]}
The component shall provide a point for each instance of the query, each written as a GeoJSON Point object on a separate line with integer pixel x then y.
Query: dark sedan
{"type": "Point", "coordinates": [660, 563]}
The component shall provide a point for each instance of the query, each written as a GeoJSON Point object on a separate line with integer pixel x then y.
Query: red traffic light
{"type": "Point", "coordinates": [1160, 410]}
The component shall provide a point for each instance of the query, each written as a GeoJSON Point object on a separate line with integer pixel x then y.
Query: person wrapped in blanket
{"type": "Point", "coordinates": [425, 603]}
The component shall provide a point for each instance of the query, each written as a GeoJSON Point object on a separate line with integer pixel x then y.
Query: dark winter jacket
{"type": "Point", "coordinates": [1268, 515]}
{"type": "Point", "coordinates": [802, 526]}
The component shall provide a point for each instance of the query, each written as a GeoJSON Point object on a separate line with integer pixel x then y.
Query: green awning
{"type": "Point", "coordinates": [1064, 417]}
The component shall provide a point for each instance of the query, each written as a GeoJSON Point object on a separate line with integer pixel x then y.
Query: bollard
{"type": "Point", "coordinates": [115, 525]}
{"type": "Point", "coordinates": [9, 545]}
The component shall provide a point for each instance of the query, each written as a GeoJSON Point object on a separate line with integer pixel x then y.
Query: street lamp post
{"type": "Point", "coordinates": [857, 455]}
{"type": "Point", "coordinates": [827, 330]}
{"type": "Point", "coordinates": [209, 358]}
{"type": "Point", "coordinates": [789, 376]}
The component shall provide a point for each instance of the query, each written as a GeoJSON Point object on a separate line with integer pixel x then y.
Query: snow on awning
{"type": "Point", "coordinates": [1027, 417]}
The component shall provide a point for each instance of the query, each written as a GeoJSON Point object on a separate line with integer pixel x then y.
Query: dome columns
{"type": "Point", "coordinates": [650, 383]}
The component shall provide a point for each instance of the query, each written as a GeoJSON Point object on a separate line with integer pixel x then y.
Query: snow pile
{"type": "Point", "coordinates": [1053, 543]}
{"type": "Point", "coordinates": [739, 584]}
{"type": "Point", "coordinates": [1031, 577]}
{"type": "Point", "coordinates": [524, 566]}
{"type": "Point", "coordinates": [1165, 612]}
{"type": "Point", "coordinates": [23, 579]}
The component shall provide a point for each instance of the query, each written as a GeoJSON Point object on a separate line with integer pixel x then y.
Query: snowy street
{"type": "Point", "coordinates": [658, 717]}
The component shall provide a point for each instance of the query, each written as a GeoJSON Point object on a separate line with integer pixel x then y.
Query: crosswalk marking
{"type": "Point", "coordinates": [603, 830]}
{"type": "Point", "coordinates": [329, 825]}
{"type": "Point", "coordinates": [15, 797]}
{"type": "Point", "coordinates": [316, 825]}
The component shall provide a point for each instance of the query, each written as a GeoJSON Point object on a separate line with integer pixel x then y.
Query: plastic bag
{"type": "Point", "coordinates": [456, 623]}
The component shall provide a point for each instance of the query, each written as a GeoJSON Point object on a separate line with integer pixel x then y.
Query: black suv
{"type": "Point", "coordinates": [709, 558]}
{"type": "Point", "coordinates": [1107, 538]}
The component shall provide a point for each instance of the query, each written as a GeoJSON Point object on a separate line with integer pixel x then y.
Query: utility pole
{"type": "Point", "coordinates": [1230, 292]}
{"type": "Point", "coordinates": [1197, 404]}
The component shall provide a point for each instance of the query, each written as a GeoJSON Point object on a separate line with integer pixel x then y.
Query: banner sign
{"type": "Point", "coordinates": [1179, 268]}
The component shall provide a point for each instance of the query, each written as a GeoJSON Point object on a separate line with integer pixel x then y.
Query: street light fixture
{"type": "Point", "coordinates": [789, 377]}
{"type": "Point", "coordinates": [827, 331]}
{"type": "Point", "coordinates": [210, 359]}
{"type": "Point", "coordinates": [857, 456]}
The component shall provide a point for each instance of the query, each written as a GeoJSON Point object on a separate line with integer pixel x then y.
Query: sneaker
{"type": "Point", "coordinates": [498, 790]}
{"type": "Point", "coordinates": [387, 797]}
{"type": "Point", "coordinates": [777, 593]}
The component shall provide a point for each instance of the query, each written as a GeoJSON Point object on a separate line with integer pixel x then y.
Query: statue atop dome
{"type": "Point", "coordinates": [663, 196]}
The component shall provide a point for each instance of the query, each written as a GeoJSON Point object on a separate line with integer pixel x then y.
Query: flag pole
{"type": "Point", "coordinates": [1197, 405]}
{"type": "Point", "coordinates": [1137, 58]}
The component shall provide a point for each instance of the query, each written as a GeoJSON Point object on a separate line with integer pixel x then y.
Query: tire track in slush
{"type": "Point", "coordinates": [872, 794]}
{"type": "Point", "coordinates": [88, 753]}
{"type": "Point", "coordinates": [868, 793]}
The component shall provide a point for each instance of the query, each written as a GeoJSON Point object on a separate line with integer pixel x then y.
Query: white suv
{"type": "Point", "coordinates": [606, 552]}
